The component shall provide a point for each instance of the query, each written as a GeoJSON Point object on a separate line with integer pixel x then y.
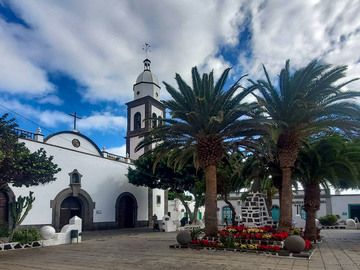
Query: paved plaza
{"type": "Point", "coordinates": [139, 249]}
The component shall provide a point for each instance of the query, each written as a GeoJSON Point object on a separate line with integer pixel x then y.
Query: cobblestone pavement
{"type": "Point", "coordinates": [139, 249]}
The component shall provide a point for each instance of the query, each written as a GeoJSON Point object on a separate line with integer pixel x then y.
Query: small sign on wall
{"type": "Point", "coordinates": [98, 212]}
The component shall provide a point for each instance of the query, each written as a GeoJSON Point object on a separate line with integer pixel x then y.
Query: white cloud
{"type": "Point", "coordinates": [18, 74]}
{"type": "Point", "coordinates": [302, 31]}
{"type": "Point", "coordinates": [99, 44]}
{"type": "Point", "coordinates": [120, 150]}
{"type": "Point", "coordinates": [103, 122]}
{"type": "Point", "coordinates": [50, 99]}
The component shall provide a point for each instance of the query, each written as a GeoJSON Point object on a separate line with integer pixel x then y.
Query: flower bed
{"type": "Point", "coordinates": [243, 239]}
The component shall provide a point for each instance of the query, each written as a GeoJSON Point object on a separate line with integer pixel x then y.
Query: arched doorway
{"type": "Point", "coordinates": [126, 210]}
{"type": "Point", "coordinates": [4, 209]}
{"type": "Point", "coordinates": [69, 208]}
{"type": "Point", "coordinates": [67, 203]}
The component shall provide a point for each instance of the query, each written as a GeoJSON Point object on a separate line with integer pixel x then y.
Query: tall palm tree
{"type": "Point", "coordinates": [329, 161]}
{"type": "Point", "coordinates": [205, 120]}
{"type": "Point", "coordinates": [307, 102]}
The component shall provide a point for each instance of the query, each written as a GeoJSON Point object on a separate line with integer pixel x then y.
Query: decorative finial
{"type": "Point", "coordinates": [147, 62]}
{"type": "Point", "coordinates": [38, 131]}
{"type": "Point", "coordinates": [146, 48]}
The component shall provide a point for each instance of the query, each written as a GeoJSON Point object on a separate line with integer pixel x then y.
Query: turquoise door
{"type": "Point", "coordinates": [226, 214]}
{"type": "Point", "coordinates": [275, 213]}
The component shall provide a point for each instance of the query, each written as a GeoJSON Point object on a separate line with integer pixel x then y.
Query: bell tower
{"type": "Point", "coordinates": [145, 105]}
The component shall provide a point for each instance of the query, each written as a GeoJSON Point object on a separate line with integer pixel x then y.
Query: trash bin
{"type": "Point", "coordinates": [74, 234]}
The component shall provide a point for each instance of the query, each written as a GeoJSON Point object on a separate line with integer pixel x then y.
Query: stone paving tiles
{"type": "Point", "coordinates": [139, 249]}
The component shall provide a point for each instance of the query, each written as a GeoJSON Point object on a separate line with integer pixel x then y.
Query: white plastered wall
{"type": "Point", "coordinates": [134, 141]}
{"type": "Point", "coordinates": [102, 178]}
{"type": "Point", "coordinates": [340, 204]}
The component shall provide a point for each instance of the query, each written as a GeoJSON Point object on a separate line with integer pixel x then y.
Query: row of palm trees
{"type": "Point", "coordinates": [207, 121]}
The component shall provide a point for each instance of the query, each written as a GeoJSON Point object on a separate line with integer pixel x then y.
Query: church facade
{"type": "Point", "coordinates": [92, 183]}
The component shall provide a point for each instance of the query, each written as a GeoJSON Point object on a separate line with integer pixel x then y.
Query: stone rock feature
{"type": "Point", "coordinates": [294, 243]}
{"type": "Point", "coordinates": [183, 237]}
{"type": "Point", "coordinates": [254, 211]}
{"type": "Point", "coordinates": [47, 232]}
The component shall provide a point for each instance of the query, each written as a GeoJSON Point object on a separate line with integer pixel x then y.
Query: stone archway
{"type": "Point", "coordinates": [67, 203]}
{"type": "Point", "coordinates": [126, 210]}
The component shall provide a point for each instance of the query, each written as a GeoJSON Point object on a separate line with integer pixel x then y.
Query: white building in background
{"type": "Point", "coordinates": [344, 205]}
{"type": "Point", "coordinates": [92, 184]}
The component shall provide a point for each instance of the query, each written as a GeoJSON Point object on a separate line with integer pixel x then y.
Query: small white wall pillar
{"type": "Point", "coordinates": [39, 137]}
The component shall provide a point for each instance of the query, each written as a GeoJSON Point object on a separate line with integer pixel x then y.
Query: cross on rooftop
{"type": "Point", "coordinates": [75, 117]}
{"type": "Point", "coordinates": [146, 48]}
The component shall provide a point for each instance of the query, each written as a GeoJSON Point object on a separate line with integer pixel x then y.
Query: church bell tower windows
{"type": "Point", "coordinates": [154, 121]}
{"type": "Point", "coordinates": [137, 121]}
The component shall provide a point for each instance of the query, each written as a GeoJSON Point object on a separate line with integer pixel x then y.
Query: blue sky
{"type": "Point", "coordinates": [58, 57]}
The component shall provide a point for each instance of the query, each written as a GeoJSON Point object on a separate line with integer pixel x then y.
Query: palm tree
{"type": "Point", "coordinates": [307, 102]}
{"type": "Point", "coordinates": [205, 122]}
{"type": "Point", "coordinates": [329, 161]}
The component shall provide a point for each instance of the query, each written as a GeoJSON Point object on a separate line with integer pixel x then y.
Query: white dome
{"type": "Point", "coordinates": [147, 77]}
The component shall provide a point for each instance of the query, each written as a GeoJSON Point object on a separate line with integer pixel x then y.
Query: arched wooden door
{"type": "Point", "coordinates": [126, 211]}
{"type": "Point", "coordinates": [70, 207]}
{"type": "Point", "coordinates": [4, 209]}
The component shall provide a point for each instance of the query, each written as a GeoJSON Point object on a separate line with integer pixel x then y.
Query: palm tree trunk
{"type": "Point", "coordinates": [211, 226]}
{"type": "Point", "coordinates": [195, 214]}
{"type": "Point", "coordinates": [268, 200]}
{"type": "Point", "coordinates": [311, 205]}
{"type": "Point", "coordinates": [277, 183]}
{"type": "Point", "coordinates": [286, 201]}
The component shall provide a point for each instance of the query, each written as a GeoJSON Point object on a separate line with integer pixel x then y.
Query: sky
{"type": "Point", "coordinates": [63, 56]}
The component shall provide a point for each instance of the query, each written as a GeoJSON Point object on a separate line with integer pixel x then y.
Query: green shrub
{"type": "Point", "coordinates": [328, 220]}
{"type": "Point", "coordinates": [26, 235]}
{"type": "Point", "coordinates": [4, 231]}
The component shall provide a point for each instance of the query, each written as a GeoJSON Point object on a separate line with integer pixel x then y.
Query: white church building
{"type": "Point", "coordinates": [92, 184]}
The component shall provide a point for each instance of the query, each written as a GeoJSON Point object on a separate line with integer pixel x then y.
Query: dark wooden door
{"type": "Point", "coordinates": [70, 207]}
{"type": "Point", "coordinates": [4, 209]}
{"type": "Point", "coordinates": [126, 212]}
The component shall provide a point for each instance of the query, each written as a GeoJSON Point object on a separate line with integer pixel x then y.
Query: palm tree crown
{"type": "Point", "coordinates": [329, 161]}
{"type": "Point", "coordinates": [205, 120]}
{"type": "Point", "coordinates": [307, 102]}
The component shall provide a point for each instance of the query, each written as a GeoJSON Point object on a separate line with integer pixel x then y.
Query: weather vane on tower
{"type": "Point", "coordinates": [146, 49]}
{"type": "Point", "coordinates": [147, 62]}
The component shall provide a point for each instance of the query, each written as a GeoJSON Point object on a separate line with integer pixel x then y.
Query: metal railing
{"type": "Point", "coordinates": [116, 157]}
{"type": "Point", "coordinates": [24, 134]}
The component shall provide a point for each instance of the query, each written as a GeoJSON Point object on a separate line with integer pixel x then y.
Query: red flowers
{"type": "Point", "coordinates": [308, 244]}
{"type": "Point", "coordinates": [281, 236]}
{"type": "Point", "coordinates": [269, 248]}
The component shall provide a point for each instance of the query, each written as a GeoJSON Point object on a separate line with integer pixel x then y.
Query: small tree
{"type": "Point", "coordinates": [154, 173]}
